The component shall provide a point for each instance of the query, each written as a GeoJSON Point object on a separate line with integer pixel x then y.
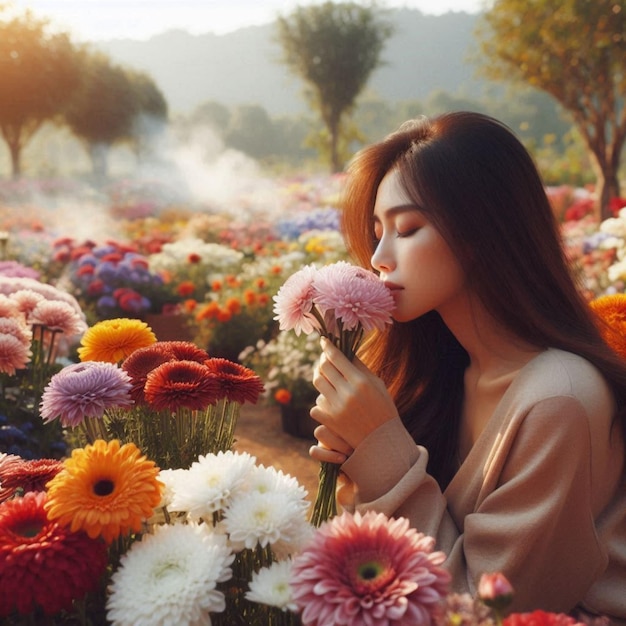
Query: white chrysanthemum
{"type": "Point", "coordinates": [211, 482]}
{"type": "Point", "coordinates": [170, 577]}
{"type": "Point", "coordinates": [269, 479]}
{"type": "Point", "coordinates": [170, 478]}
{"type": "Point", "coordinates": [270, 585]}
{"type": "Point", "coordinates": [262, 518]}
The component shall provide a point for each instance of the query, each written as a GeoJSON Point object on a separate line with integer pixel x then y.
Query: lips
{"type": "Point", "coordinates": [393, 286]}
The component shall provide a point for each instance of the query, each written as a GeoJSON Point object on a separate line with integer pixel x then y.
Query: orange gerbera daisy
{"type": "Point", "coordinates": [113, 340]}
{"type": "Point", "coordinates": [105, 490]}
{"type": "Point", "coordinates": [611, 311]}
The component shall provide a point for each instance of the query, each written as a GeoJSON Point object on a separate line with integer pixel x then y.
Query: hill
{"type": "Point", "coordinates": [426, 53]}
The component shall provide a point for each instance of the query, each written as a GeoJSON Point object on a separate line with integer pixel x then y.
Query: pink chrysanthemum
{"type": "Point", "coordinates": [85, 390]}
{"type": "Point", "coordinates": [236, 383]}
{"type": "Point", "coordinates": [14, 354]}
{"type": "Point", "coordinates": [294, 302]}
{"type": "Point", "coordinates": [180, 384]}
{"type": "Point", "coordinates": [354, 295]}
{"type": "Point", "coordinates": [26, 300]}
{"type": "Point", "coordinates": [16, 327]}
{"type": "Point", "coordinates": [27, 475]}
{"type": "Point", "coordinates": [8, 307]}
{"type": "Point", "coordinates": [368, 569]}
{"type": "Point", "coordinates": [58, 315]}
{"type": "Point", "coordinates": [7, 462]}
{"type": "Point", "coordinates": [43, 564]}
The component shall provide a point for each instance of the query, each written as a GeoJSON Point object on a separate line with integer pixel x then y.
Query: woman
{"type": "Point", "coordinates": [491, 414]}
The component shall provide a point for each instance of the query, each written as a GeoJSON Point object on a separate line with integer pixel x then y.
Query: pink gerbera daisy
{"type": "Point", "coordinates": [293, 303]}
{"type": "Point", "coordinates": [43, 564]}
{"type": "Point", "coordinates": [354, 295]}
{"type": "Point", "coordinates": [368, 569]}
{"type": "Point", "coordinates": [85, 390]}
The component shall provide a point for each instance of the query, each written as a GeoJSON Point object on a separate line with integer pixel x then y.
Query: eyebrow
{"type": "Point", "coordinates": [397, 210]}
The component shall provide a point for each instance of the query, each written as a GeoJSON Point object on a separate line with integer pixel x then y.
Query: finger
{"type": "Point", "coordinates": [327, 438]}
{"type": "Point", "coordinates": [325, 455]}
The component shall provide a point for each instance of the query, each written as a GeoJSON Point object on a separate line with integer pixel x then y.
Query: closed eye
{"type": "Point", "coordinates": [407, 233]}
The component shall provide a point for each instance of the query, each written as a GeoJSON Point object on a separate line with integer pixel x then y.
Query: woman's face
{"type": "Point", "coordinates": [413, 259]}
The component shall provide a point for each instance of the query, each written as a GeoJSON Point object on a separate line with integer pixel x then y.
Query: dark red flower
{"type": "Point", "coordinates": [27, 475]}
{"type": "Point", "coordinates": [181, 384]}
{"type": "Point", "coordinates": [43, 564]}
{"type": "Point", "coordinates": [186, 351]}
{"type": "Point", "coordinates": [141, 362]}
{"type": "Point", "coordinates": [236, 383]}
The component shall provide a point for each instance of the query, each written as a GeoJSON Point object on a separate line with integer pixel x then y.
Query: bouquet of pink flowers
{"type": "Point", "coordinates": [341, 302]}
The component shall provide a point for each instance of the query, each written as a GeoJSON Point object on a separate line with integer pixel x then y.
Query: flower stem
{"type": "Point", "coordinates": [325, 505]}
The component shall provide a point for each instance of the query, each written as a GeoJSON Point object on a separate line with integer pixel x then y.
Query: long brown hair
{"type": "Point", "coordinates": [478, 185]}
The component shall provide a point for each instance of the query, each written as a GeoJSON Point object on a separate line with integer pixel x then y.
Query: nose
{"type": "Point", "coordinates": [382, 260]}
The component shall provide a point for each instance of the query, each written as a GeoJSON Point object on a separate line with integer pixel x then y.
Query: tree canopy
{"type": "Point", "coordinates": [39, 73]}
{"type": "Point", "coordinates": [575, 50]}
{"type": "Point", "coordinates": [334, 48]}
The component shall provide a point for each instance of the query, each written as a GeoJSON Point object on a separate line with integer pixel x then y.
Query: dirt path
{"type": "Point", "coordinates": [259, 432]}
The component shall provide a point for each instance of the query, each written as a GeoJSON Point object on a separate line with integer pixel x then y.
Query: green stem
{"type": "Point", "coordinates": [325, 505]}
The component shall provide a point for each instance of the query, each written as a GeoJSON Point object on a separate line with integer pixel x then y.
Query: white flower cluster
{"type": "Point", "coordinates": [283, 360]}
{"type": "Point", "coordinates": [214, 257]}
{"type": "Point", "coordinates": [615, 228]}
{"type": "Point", "coordinates": [222, 504]}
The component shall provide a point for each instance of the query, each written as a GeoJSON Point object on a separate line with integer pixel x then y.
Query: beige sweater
{"type": "Point", "coordinates": [541, 496]}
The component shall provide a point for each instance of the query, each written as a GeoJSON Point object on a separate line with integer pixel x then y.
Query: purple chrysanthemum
{"type": "Point", "coordinates": [354, 295]}
{"type": "Point", "coordinates": [294, 301]}
{"type": "Point", "coordinates": [85, 390]}
{"type": "Point", "coordinates": [369, 569]}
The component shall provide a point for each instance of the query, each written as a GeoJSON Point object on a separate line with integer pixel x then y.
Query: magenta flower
{"type": "Point", "coordinates": [368, 569]}
{"type": "Point", "coordinates": [354, 295]}
{"type": "Point", "coordinates": [293, 304]}
{"type": "Point", "coordinates": [85, 390]}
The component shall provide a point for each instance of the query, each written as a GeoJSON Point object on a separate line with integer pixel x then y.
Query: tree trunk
{"type": "Point", "coordinates": [99, 161]}
{"type": "Point", "coordinates": [607, 185]}
{"type": "Point", "coordinates": [16, 161]}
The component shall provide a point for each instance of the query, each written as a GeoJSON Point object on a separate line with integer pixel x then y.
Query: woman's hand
{"type": "Point", "coordinates": [352, 403]}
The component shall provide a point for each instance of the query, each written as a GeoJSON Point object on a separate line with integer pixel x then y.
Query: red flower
{"type": "Point", "coordinates": [186, 288]}
{"type": "Point", "coordinates": [236, 383]}
{"type": "Point", "coordinates": [42, 563]}
{"type": "Point", "coordinates": [282, 396]}
{"type": "Point", "coordinates": [28, 475]}
{"type": "Point", "coordinates": [181, 384]}
{"type": "Point", "coordinates": [194, 257]}
{"type": "Point", "coordinates": [540, 618]}
{"type": "Point", "coordinates": [140, 363]}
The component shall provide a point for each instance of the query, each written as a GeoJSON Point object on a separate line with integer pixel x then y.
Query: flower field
{"type": "Point", "coordinates": [134, 324]}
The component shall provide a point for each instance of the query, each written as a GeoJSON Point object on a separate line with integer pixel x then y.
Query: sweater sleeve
{"type": "Point", "coordinates": [531, 516]}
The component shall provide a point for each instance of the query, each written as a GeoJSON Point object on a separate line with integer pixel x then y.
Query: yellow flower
{"type": "Point", "coordinates": [611, 309]}
{"type": "Point", "coordinates": [105, 490]}
{"type": "Point", "coordinates": [113, 340]}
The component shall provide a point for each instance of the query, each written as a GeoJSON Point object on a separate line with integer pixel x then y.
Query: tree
{"type": "Point", "coordinates": [152, 112]}
{"type": "Point", "coordinates": [575, 50]}
{"type": "Point", "coordinates": [334, 48]}
{"type": "Point", "coordinates": [114, 105]}
{"type": "Point", "coordinates": [39, 73]}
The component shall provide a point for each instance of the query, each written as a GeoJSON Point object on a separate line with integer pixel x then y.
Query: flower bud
{"type": "Point", "coordinates": [495, 590]}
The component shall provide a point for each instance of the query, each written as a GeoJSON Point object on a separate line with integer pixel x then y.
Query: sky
{"type": "Point", "coordinates": [94, 20]}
